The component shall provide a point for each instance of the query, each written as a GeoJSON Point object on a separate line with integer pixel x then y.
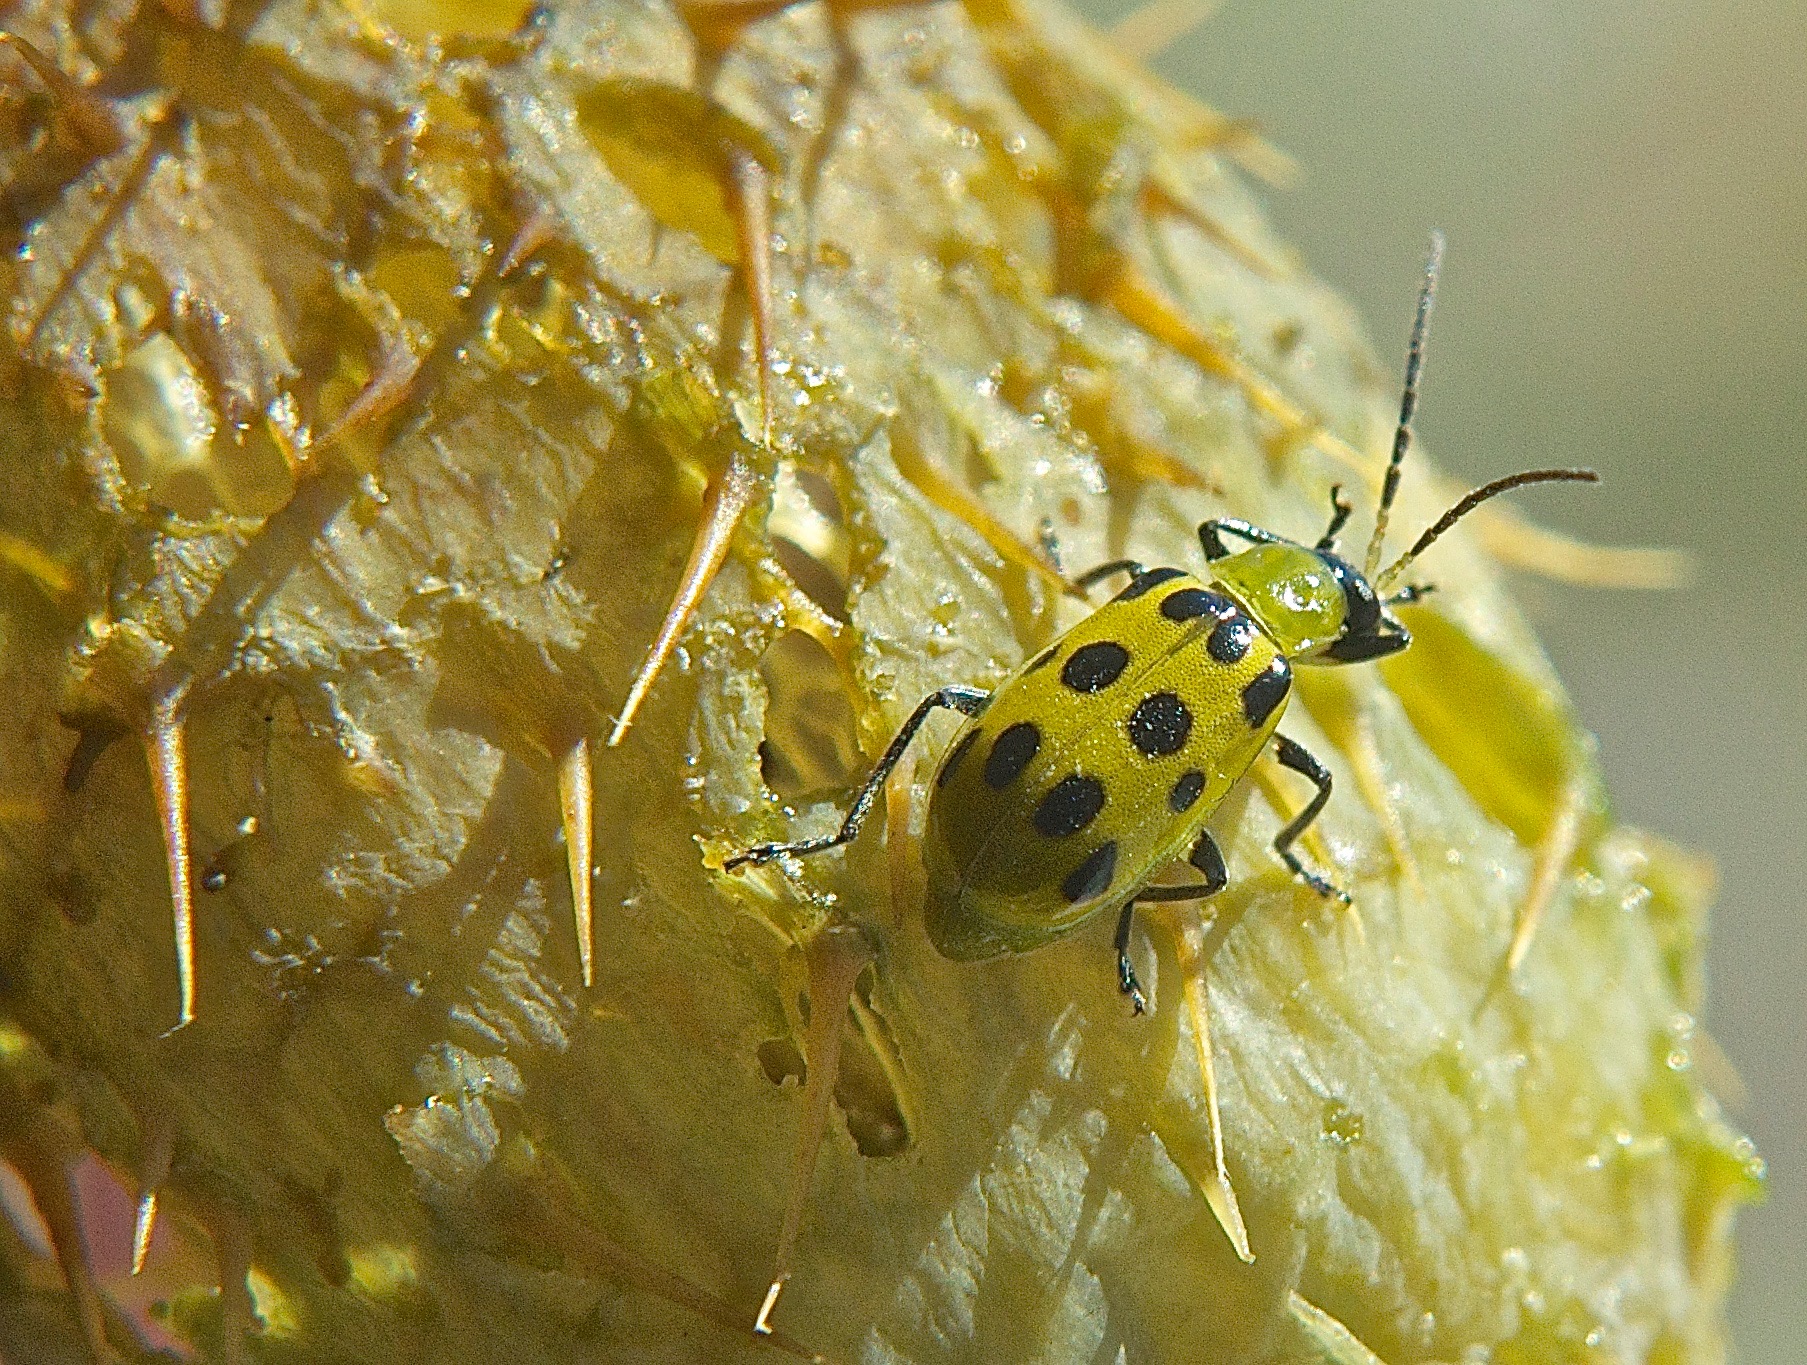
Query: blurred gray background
{"type": "Point", "coordinates": [1624, 185]}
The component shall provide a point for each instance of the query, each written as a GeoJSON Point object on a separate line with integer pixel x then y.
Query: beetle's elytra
{"type": "Point", "coordinates": [1099, 761]}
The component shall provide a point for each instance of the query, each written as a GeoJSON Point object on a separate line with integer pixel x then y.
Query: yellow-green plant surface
{"type": "Point", "coordinates": [368, 372]}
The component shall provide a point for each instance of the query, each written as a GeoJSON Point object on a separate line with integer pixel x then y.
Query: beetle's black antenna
{"type": "Point", "coordinates": [1474, 500]}
{"type": "Point", "coordinates": [1408, 402]}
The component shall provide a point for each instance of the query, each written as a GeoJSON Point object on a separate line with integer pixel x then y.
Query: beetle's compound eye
{"type": "Point", "coordinates": [1368, 632]}
{"type": "Point", "coordinates": [1361, 608]}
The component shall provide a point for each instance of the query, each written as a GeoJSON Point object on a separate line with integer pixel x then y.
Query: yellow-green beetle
{"type": "Point", "coordinates": [1098, 762]}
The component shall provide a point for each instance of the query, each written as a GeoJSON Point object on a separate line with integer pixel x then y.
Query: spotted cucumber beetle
{"type": "Point", "coordinates": [1098, 762]}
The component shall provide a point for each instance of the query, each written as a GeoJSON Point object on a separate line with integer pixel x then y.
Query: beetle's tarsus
{"type": "Point", "coordinates": [1129, 984]}
{"type": "Point", "coordinates": [1412, 592]}
{"type": "Point", "coordinates": [1324, 887]}
{"type": "Point", "coordinates": [1127, 981]}
{"type": "Point", "coordinates": [753, 857]}
{"type": "Point", "coordinates": [1138, 1002]}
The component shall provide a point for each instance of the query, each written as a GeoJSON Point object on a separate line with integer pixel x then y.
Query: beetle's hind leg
{"type": "Point", "coordinates": [1208, 859]}
{"type": "Point", "coordinates": [968, 701]}
{"type": "Point", "coordinates": [1296, 756]}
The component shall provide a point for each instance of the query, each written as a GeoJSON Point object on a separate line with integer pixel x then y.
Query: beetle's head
{"type": "Point", "coordinates": [1318, 607]}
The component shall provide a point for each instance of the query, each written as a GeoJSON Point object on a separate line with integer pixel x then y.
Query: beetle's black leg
{"type": "Point", "coordinates": [1412, 592]}
{"type": "Point", "coordinates": [1126, 972]}
{"type": "Point", "coordinates": [969, 701]}
{"type": "Point", "coordinates": [1295, 756]}
{"type": "Point", "coordinates": [1389, 637]}
{"type": "Point", "coordinates": [1208, 859]}
{"type": "Point", "coordinates": [1339, 514]}
{"type": "Point", "coordinates": [1210, 535]}
{"type": "Point", "coordinates": [1129, 566]}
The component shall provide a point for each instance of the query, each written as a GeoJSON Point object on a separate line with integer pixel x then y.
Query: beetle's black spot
{"type": "Point", "coordinates": [1042, 660]}
{"type": "Point", "coordinates": [1146, 580]}
{"type": "Point", "coordinates": [1231, 639]}
{"type": "Point", "coordinates": [1159, 725]}
{"type": "Point", "coordinates": [1095, 667]}
{"type": "Point", "coordinates": [1010, 754]}
{"type": "Point", "coordinates": [954, 756]}
{"type": "Point", "coordinates": [1189, 603]}
{"type": "Point", "coordinates": [1186, 791]}
{"type": "Point", "coordinates": [1073, 804]}
{"type": "Point", "coordinates": [1266, 692]}
{"type": "Point", "coordinates": [1092, 876]}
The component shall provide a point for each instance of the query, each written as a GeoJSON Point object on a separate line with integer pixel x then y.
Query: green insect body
{"type": "Point", "coordinates": [1098, 762]}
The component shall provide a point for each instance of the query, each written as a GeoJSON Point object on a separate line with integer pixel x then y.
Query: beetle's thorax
{"type": "Point", "coordinates": [1295, 594]}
